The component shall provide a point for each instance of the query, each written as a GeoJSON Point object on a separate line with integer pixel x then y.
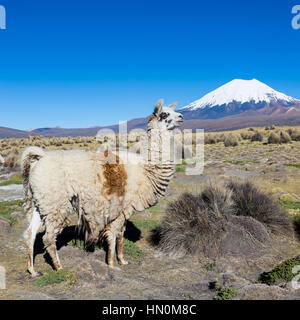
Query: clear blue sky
{"type": "Point", "coordinates": [84, 63]}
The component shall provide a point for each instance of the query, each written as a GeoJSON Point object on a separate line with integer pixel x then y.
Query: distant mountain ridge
{"type": "Point", "coordinates": [236, 97]}
{"type": "Point", "coordinates": [235, 105]}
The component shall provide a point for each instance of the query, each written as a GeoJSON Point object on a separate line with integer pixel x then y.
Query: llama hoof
{"type": "Point", "coordinates": [35, 274]}
{"type": "Point", "coordinates": [111, 264]}
{"type": "Point", "coordinates": [123, 262]}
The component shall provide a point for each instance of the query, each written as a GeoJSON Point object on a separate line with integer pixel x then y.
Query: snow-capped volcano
{"type": "Point", "coordinates": [238, 96]}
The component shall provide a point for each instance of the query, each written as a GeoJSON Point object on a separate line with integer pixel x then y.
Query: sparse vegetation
{"type": "Point", "coordinates": [284, 137]}
{"type": "Point", "coordinates": [225, 293]}
{"type": "Point", "coordinates": [132, 249]}
{"type": "Point", "coordinates": [282, 272]}
{"type": "Point", "coordinates": [257, 137]}
{"type": "Point", "coordinates": [273, 138]}
{"type": "Point", "coordinates": [210, 266]}
{"type": "Point", "coordinates": [146, 224]}
{"type": "Point", "coordinates": [296, 165]}
{"type": "Point", "coordinates": [58, 276]}
{"type": "Point", "coordinates": [231, 141]}
{"type": "Point", "coordinates": [180, 168]}
{"type": "Point", "coordinates": [17, 179]}
{"type": "Point", "coordinates": [155, 208]}
{"type": "Point", "coordinates": [288, 204]}
{"type": "Point", "coordinates": [8, 207]}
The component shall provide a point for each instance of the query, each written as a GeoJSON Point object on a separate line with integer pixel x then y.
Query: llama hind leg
{"type": "Point", "coordinates": [29, 236]}
{"type": "Point", "coordinates": [120, 248]}
{"type": "Point", "coordinates": [53, 227]}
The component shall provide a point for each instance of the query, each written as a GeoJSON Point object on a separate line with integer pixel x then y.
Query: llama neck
{"type": "Point", "coordinates": [160, 145]}
{"type": "Point", "coordinates": [159, 166]}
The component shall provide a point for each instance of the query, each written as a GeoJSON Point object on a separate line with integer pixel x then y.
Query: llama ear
{"type": "Point", "coordinates": [158, 106]}
{"type": "Point", "coordinates": [173, 105]}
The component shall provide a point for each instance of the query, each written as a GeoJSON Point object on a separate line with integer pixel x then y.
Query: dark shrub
{"type": "Point", "coordinates": [273, 138]}
{"type": "Point", "coordinates": [209, 139]}
{"type": "Point", "coordinates": [231, 141]}
{"type": "Point", "coordinates": [246, 135]}
{"type": "Point", "coordinates": [284, 137]}
{"type": "Point", "coordinates": [234, 218]}
{"type": "Point", "coordinates": [249, 200]}
{"type": "Point", "coordinates": [295, 135]}
{"type": "Point", "coordinates": [257, 137]}
{"type": "Point", "coordinates": [195, 223]}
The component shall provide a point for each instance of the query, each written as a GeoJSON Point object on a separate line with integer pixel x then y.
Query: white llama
{"type": "Point", "coordinates": [103, 187]}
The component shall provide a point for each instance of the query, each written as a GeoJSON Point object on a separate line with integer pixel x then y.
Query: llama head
{"type": "Point", "coordinates": [165, 117]}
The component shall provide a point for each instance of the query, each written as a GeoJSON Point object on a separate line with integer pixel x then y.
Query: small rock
{"type": "Point", "coordinates": [229, 279]}
{"type": "Point", "coordinates": [4, 225]}
{"type": "Point", "coordinates": [292, 286]}
{"type": "Point", "coordinates": [261, 292]}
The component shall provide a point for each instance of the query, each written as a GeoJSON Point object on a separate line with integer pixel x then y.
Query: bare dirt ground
{"type": "Point", "coordinates": [152, 274]}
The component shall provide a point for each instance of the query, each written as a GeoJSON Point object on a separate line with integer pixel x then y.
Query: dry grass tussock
{"type": "Point", "coordinates": [229, 218]}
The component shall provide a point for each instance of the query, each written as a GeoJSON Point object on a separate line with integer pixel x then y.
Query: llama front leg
{"type": "Point", "coordinates": [29, 236]}
{"type": "Point", "coordinates": [110, 233]}
{"type": "Point", "coordinates": [120, 248]}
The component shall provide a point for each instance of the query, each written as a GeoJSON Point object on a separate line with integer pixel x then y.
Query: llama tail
{"type": "Point", "coordinates": [29, 156]}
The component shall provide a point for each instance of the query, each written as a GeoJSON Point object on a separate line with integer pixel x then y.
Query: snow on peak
{"type": "Point", "coordinates": [242, 91]}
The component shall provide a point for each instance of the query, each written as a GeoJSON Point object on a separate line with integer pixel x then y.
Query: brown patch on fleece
{"type": "Point", "coordinates": [153, 117]}
{"type": "Point", "coordinates": [115, 176]}
{"type": "Point", "coordinates": [99, 178]}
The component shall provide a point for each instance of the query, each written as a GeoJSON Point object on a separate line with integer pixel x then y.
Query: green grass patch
{"type": "Point", "coordinates": [146, 224]}
{"type": "Point", "coordinates": [7, 207]}
{"type": "Point", "coordinates": [282, 271]}
{"type": "Point", "coordinates": [77, 243]}
{"type": "Point", "coordinates": [296, 165]}
{"type": "Point", "coordinates": [180, 169]}
{"type": "Point", "coordinates": [132, 249]}
{"type": "Point", "coordinates": [210, 266]}
{"type": "Point", "coordinates": [17, 179]}
{"type": "Point", "coordinates": [288, 204]}
{"type": "Point", "coordinates": [234, 161]}
{"type": "Point", "coordinates": [58, 276]}
{"type": "Point", "coordinates": [225, 293]}
{"type": "Point", "coordinates": [155, 209]}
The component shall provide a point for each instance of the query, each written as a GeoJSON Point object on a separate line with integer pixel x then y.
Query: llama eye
{"type": "Point", "coordinates": [163, 116]}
